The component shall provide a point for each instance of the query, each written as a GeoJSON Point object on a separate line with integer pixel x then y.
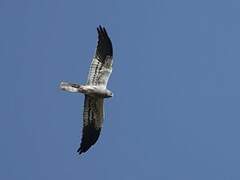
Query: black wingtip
{"type": "Point", "coordinates": [102, 30]}
{"type": "Point", "coordinates": [79, 151]}
{"type": "Point", "coordinates": [99, 29]}
{"type": "Point", "coordinates": [89, 138]}
{"type": "Point", "coordinates": [104, 46]}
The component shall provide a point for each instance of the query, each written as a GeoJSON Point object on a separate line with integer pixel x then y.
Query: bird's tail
{"type": "Point", "coordinates": [70, 87]}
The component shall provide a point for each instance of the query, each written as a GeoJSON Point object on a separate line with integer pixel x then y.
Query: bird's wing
{"type": "Point", "coordinates": [92, 122]}
{"type": "Point", "coordinates": [101, 66]}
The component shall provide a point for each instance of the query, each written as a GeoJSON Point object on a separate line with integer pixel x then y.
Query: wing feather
{"type": "Point", "coordinates": [92, 122]}
{"type": "Point", "coordinates": [101, 66]}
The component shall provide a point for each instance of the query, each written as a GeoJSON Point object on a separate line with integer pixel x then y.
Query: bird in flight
{"type": "Point", "coordinates": [95, 90]}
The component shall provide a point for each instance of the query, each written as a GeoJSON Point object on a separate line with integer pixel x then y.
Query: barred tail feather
{"type": "Point", "coordinates": [70, 87]}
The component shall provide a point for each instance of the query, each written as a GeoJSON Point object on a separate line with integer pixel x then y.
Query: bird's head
{"type": "Point", "coordinates": [109, 94]}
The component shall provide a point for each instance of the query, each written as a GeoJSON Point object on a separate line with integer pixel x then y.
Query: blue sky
{"type": "Point", "coordinates": [175, 114]}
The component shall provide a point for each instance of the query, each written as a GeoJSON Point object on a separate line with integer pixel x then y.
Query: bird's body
{"type": "Point", "coordinates": [95, 90]}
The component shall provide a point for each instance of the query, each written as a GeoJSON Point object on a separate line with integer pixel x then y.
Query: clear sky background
{"type": "Point", "coordinates": [176, 80]}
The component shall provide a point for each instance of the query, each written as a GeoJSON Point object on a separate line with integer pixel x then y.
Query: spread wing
{"type": "Point", "coordinates": [92, 122]}
{"type": "Point", "coordinates": [101, 67]}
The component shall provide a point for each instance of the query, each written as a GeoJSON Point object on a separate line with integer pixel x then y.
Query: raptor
{"type": "Point", "coordinates": [95, 90]}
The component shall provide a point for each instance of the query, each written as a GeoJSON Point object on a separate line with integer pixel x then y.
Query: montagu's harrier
{"type": "Point", "coordinates": [95, 90]}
